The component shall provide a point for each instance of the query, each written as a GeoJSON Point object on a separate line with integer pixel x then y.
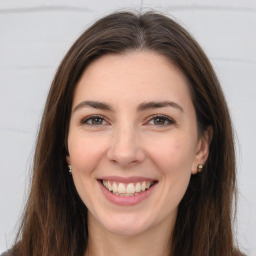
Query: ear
{"type": "Point", "coordinates": [68, 159]}
{"type": "Point", "coordinates": [202, 149]}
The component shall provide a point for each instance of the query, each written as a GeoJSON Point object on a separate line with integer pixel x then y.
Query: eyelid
{"type": "Point", "coordinates": [85, 119]}
{"type": "Point", "coordinates": [170, 120]}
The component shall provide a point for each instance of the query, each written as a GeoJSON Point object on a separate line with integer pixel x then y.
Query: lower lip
{"type": "Point", "coordinates": [126, 200]}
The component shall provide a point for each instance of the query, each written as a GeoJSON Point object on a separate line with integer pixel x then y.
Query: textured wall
{"type": "Point", "coordinates": [34, 36]}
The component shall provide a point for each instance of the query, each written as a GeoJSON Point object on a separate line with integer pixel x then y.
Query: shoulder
{"type": "Point", "coordinates": [5, 254]}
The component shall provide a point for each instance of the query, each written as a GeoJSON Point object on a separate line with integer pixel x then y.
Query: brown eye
{"type": "Point", "coordinates": [161, 121]}
{"type": "Point", "coordinates": [94, 120]}
{"type": "Point", "coordinates": [97, 121]}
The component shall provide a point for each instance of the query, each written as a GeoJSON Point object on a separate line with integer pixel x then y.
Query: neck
{"type": "Point", "coordinates": [153, 242]}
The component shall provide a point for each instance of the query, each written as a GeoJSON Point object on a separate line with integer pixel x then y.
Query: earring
{"type": "Point", "coordinates": [70, 169]}
{"type": "Point", "coordinates": [200, 168]}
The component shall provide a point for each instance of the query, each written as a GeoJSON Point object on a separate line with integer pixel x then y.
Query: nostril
{"type": "Point", "coordinates": [126, 156]}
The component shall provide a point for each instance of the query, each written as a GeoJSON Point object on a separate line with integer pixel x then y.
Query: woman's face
{"type": "Point", "coordinates": [133, 141]}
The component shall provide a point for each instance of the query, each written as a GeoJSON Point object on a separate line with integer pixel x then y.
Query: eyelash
{"type": "Point", "coordinates": [91, 118]}
{"type": "Point", "coordinates": [167, 120]}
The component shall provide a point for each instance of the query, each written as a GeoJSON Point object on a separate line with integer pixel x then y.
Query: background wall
{"type": "Point", "coordinates": [34, 36]}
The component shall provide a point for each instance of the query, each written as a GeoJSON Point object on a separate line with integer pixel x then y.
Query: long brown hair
{"type": "Point", "coordinates": [55, 218]}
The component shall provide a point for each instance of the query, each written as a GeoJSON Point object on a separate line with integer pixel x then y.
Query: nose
{"type": "Point", "coordinates": [125, 148]}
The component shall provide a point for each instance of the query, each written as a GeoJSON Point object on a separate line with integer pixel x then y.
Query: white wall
{"type": "Point", "coordinates": [34, 36]}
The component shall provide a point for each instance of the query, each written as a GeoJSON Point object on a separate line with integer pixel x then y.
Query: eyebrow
{"type": "Point", "coordinates": [93, 104]}
{"type": "Point", "coordinates": [142, 107]}
{"type": "Point", "coordinates": [158, 104]}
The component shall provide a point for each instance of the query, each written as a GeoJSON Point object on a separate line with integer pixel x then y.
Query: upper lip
{"type": "Point", "coordinates": [131, 179]}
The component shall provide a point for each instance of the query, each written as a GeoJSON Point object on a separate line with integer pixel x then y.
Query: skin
{"type": "Point", "coordinates": [125, 142]}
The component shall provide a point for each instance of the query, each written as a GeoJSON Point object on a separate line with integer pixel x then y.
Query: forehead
{"type": "Point", "coordinates": [130, 77]}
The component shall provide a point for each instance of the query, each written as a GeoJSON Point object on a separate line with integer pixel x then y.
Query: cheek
{"type": "Point", "coordinates": [173, 156]}
{"type": "Point", "coordinates": [173, 160]}
{"type": "Point", "coordinates": [85, 153]}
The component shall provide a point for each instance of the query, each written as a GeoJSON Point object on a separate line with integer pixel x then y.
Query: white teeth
{"type": "Point", "coordinates": [115, 189]}
{"type": "Point", "coordinates": [138, 187]}
{"type": "Point", "coordinates": [109, 187]}
{"type": "Point", "coordinates": [121, 188]}
{"type": "Point", "coordinates": [129, 189]}
{"type": "Point", "coordinates": [143, 187]}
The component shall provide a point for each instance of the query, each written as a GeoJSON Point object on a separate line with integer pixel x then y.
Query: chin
{"type": "Point", "coordinates": [126, 230]}
{"type": "Point", "coordinates": [126, 225]}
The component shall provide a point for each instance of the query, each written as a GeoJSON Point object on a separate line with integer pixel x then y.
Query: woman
{"type": "Point", "coordinates": [135, 154]}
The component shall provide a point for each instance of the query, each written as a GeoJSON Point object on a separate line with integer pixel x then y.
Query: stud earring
{"type": "Point", "coordinates": [70, 169]}
{"type": "Point", "coordinates": [200, 168]}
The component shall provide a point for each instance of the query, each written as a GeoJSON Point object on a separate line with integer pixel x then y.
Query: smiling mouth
{"type": "Point", "coordinates": [127, 189]}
